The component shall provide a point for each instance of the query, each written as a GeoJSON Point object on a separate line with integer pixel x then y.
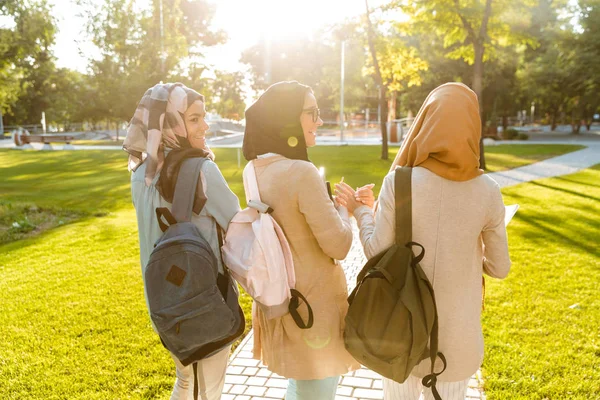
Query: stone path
{"type": "Point", "coordinates": [247, 379]}
{"type": "Point", "coordinates": [562, 165]}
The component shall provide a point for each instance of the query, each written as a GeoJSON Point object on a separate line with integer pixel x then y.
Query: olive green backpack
{"type": "Point", "coordinates": [392, 322]}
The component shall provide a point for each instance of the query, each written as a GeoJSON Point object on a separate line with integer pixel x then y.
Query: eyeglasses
{"type": "Point", "coordinates": [316, 113]}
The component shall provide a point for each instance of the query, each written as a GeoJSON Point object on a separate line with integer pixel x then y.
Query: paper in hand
{"type": "Point", "coordinates": [510, 212]}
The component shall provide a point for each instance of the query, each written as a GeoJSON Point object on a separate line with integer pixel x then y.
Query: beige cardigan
{"type": "Point", "coordinates": [454, 221]}
{"type": "Point", "coordinates": [317, 235]}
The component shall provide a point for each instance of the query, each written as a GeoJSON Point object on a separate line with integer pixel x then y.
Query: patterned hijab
{"type": "Point", "coordinates": [273, 122]}
{"type": "Point", "coordinates": [158, 124]}
{"type": "Point", "coordinates": [444, 137]}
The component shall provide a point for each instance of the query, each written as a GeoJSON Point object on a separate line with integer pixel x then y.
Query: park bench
{"type": "Point", "coordinates": [24, 140]}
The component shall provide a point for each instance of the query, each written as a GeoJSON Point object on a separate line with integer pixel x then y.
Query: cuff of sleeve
{"type": "Point", "coordinates": [358, 211]}
{"type": "Point", "coordinates": [343, 212]}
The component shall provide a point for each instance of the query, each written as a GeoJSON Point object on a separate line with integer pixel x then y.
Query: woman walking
{"type": "Point", "coordinates": [280, 126]}
{"type": "Point", "coordinates": [168, 127]}
{"type": "Point", "coordinates": [458, 217]}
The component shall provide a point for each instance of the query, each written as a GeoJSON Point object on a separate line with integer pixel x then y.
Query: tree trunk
{"type": "Point", "coordinates": [478, 44]}
{"type": "Point", "coordinates": [554, 120]}
{"type": "Point", "coordinates": [383, 125]}
{"type": "Point", "coordinates": [382, 88]}
{"type": "Point", "coordinates": [478, 89]}
{"type": "Point", "coordinates": [504, 123]}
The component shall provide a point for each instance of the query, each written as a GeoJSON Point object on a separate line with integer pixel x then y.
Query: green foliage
{"type": "Point", "coordinates": [315, 63]}
{"type": "Point", "coordinates": [228, 95]}
{"type": "Point", "coordinates": [25, 58]}
{"type": "Point", "coordinates": [400, 65]}
{"type": "Point", "coordinates": [510, 134]}
{"type": "Point", "coordinates": [136, 54]}
{"type": "Point", "coordinates": [459, 23]}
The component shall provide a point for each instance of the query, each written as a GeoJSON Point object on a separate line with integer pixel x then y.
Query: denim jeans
{"type": "Point", "coordinates": [315, 389]}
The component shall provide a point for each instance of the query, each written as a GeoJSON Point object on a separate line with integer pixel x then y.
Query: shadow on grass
{"type": "Point", "coordinates": [537, 183]}
{"type": "Point", "coordinates": [537, 226]}
{"type": "Point", "coordinates": [560, 178]}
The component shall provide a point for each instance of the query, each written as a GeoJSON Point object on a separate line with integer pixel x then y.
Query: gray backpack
{"type": "Point", "coordinates": [193, 305]}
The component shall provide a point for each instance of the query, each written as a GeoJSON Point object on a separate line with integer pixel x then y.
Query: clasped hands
{"type": "Point", "coordinates": [351, 198]}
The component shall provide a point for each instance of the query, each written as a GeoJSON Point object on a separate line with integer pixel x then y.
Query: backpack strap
{"type": "Point", "coordinates": [251, 190]}
{"type": "Point", "coordinates": [196, 389]}
{"type": "Point", "coordinates": [186, 188]}
{"type": "Point", "coordinates": [403, 200]}
{"type": "Point", "coordinates": [293, 309]}
{"type": "Point", "coordinates": [431, 379]}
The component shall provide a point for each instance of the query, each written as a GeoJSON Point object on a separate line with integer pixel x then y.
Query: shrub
{"type": "Point", "coordinates": [510, 134]}
{"type": "Point", "coordinates": [522, 136]}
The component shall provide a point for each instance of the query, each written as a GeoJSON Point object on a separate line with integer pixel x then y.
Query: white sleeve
{"type": "Point", "coordinates": [377, 232]}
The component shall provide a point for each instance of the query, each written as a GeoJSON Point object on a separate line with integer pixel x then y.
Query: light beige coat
{"type": "Point", "coordinates": [461, 226]}
{"type": "Point", "coordinates": [317, 235]}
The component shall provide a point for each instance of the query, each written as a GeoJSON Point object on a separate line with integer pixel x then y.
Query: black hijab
{"type": "Point", "coordinates": [273, 122]}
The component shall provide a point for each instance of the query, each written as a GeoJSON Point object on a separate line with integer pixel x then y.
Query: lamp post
{"type": "Point", "coordinates": [342, 94]}
{"type": "Point", "coordinates": [162, 46]}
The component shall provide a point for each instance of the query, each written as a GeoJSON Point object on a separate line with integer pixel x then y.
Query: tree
{"type": "Point", "coordinates": [379, 81]}
{"type": "Point", "coordinates": [140, 48]}
{"type": "Point", "coordinates": [26, 61]}
{"type": "Point", "coordinates": [472, 30]}
{"type": "Point", "coordinates": [587, 47]}
{"type": "Point", "coordinates": [395, 66]}
{"type": "Point", "coordinates": [228, 96]}
{"type": "Point", "coordinates": [315, 63]}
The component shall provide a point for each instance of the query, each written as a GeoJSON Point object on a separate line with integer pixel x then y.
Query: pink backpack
{"type": "Point", "coordinates": [258, 256]}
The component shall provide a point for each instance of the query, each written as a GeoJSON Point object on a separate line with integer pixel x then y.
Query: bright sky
{"type": "Point", "coordinates": [243, 20]}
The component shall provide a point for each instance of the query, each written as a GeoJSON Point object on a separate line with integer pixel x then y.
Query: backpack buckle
{"type": "Point", "coordinates": [260, 207]}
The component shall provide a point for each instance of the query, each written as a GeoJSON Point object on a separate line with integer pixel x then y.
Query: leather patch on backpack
{"type": "Point", "coordinates": [176, 275]}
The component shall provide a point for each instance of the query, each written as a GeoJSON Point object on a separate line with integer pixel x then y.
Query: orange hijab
{"type": "Point", "coordinates": [444, 137]}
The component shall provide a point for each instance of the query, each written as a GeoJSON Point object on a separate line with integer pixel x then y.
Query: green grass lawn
{"type": "Point", "coordinates": [502, 157]}
{"type": "Point", "coordinates": [74, 323]}
{"type": "Point", "coordinates": [542, 324]}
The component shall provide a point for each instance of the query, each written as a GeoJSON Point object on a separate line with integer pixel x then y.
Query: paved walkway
{"type": "Point", "coordinates": [562, 165]}
{"type": "Point", "coordinates": [247, 379]}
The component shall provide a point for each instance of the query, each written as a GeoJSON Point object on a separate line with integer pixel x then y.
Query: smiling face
{"type": "Point", "coordinates": [195, 125]}
{"type": "Point", "coordinates": [310, 119]}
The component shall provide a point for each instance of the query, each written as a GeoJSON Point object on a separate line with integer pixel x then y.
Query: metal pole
{"type": "Point", "coordinates": [379, 105]}
{"type": "Point", "coordinates": [162, 47]}
{"type": "Point", "coordinates": [267, 60]}
{"type": "Point", "coordinates": [342, 95]}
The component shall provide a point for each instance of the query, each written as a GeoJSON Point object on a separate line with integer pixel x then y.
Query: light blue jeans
{"type": "Point", "coordinates": [315, 389]}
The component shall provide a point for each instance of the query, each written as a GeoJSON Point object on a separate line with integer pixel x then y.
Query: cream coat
{"type": "Point", "coordinates": [455, 222]}
{"type": "Point", "coordinates": [317, 235]}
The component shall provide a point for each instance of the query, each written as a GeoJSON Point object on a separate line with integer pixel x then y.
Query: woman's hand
{"type": "Point", "coordinates": [365, 195]}
{"type": "Point", "coordinates": [346, 196]}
